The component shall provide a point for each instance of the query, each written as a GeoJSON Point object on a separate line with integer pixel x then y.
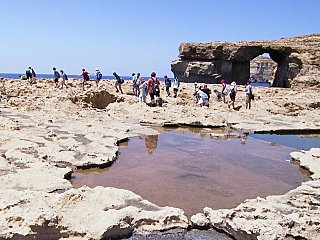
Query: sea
{"type": "Point", "coordinates": [17, 76]}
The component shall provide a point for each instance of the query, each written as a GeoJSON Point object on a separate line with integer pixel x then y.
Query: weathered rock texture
{"type": "Point", "coordinates": [298, 61]}
{"type": "Point", "coordinates": [262, 69]}
{"type": "Point", "coordinates": [45, 133]}
{"type": "Point", "coordinates": [295, 215]}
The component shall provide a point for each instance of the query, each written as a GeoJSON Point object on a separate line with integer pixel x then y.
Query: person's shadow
{"type": "Point", "coordinates": [237, 108]}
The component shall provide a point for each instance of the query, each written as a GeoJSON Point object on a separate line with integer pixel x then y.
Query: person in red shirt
{"type": "Point", "coordinates": [85, 76]}
{"type": "Point", "coordinates": [152, 83]}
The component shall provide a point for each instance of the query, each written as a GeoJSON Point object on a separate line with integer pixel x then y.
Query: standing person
{"type": "Point", "coordinates": [64, 78]}
{"type": "Point", "coordinates": [85, 76]}
{"type": "Point", "coordinates": [233, 91]}
{"type": "Point", "coordinates": [56, 76]}
{"type": "Point", "coordinates": [143, 90]}
{"type": "Point", "coordinates": [249, 95]}
{"type": "Point", "coordinates": [33, 76]}
{"type": "Point", "coordinates": [167, 82]}
{"type": "Point", "coordinates": [29, 75]}
{"type": "Point", "coordinates": [138, 84]}
{"type": "Point", "coordinates": [118, 83]}
{"type": "Point", "coordinates": [152, 83]}
{"type": "Point", "coordinates": [134, 84]}
{"type": "Point", "coordinates": [224, 90]}
{"type": "Point", "coordinates": [98, 76]}
{"type": "Point", "coordinates": [176, 85]}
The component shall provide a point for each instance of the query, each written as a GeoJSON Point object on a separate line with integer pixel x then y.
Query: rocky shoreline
{"type": "Point", "coordinates": [46, 133]}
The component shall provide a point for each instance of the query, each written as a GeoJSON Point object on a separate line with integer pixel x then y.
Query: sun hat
{"type": "Point", "coordinates": [97, 69]}
{"type": "Point", "coordinates": [233, 83]}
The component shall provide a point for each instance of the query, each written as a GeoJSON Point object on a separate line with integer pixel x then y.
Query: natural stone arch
{"type": "Point", "coordinates": [297, 61]}
{"type": "Point", "coordinates": [281, 73]}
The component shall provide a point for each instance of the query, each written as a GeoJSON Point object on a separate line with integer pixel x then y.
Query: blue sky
{"type": "Point", "coordinates": [137, 35]}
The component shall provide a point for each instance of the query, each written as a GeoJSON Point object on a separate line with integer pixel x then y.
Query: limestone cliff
{"type": "Point", "coordinates": [297, 60]}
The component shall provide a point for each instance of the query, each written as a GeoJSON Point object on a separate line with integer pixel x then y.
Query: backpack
{"type": "Point", "coordinates": [156, 89]}
{"type": "Point", "coordinates": [99, 76]}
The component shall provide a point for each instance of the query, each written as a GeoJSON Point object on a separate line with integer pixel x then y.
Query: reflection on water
{"type": "Point", "coordinates": [151, 142]}
{"type": "Point", "coordinates": [191, 171]}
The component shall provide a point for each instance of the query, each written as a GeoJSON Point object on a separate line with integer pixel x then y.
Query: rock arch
{"type": "Point", "coordinates": [296, 58]}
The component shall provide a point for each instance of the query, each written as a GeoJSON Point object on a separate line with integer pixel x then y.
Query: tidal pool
{"type": "Point", "coordinates": [188, 169]}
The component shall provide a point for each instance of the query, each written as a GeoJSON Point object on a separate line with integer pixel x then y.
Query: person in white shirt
{"type": "Point", "coordinates": [202, 98]}
{"type": "Point", "coordinates": [249, 95]}
{"type": "Point", "coordinates": [143, 90]}
{"type": "Point", "coordinates": [176, 85]}
{"type": "Point", "coordinates": [233, 92]}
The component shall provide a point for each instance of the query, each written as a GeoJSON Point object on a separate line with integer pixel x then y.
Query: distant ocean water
{"type": "Point", "coordinates": [17, 76]}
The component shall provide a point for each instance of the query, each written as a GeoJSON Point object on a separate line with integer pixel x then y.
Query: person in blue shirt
{"type": "Point", "coordinates": [98, 76]}
{"type": "Point", "coordinates": [167, 83]}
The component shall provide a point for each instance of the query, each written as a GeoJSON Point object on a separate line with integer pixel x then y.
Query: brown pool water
{"type": "Point", "coordinates": [189, 170]}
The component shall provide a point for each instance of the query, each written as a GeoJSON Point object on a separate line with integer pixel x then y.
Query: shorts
{"type": "Point", "coordinates": [117, 84]}
{"type": "Point", "coordinates": [248, 99]}
{"type": "Point", "coordinates": [233, 96]}
{"type": "Point", "coordinates": [56, 80]}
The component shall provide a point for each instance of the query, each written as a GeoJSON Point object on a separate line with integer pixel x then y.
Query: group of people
{"type": "Point", "coordinates": [141, 88]}
{"type": "Point", "coordinates": [203, 94]}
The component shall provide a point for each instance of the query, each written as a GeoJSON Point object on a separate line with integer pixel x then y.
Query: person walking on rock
{"type": "Point", "coordinates": [233, 92]}
{"type": "Point", "coordinates": [63, 78]}
{"type": "Point", "coordinates": [85, 77]}
{"type": "Point", "coordinates": [151, 88]}
{"type": "Point", "coordinates": [98, 76]}
{"type": "Point", "coordinates": [143, 91]}
{"type": "Point", "coordinates": [176, 85]}
{"type": "Point", "coordinates": [224, 91]}
{"type": "Point", "coordinates": [119, 82]}
{"type": "Point", "coordinates": [249, 95]}
{"type": "Point", "coordinates": [33, 76]}
{"type": "Point", "coordinates": [56, 76]}
{"type": "Point", "coordinates": [167, 83]}
{"type": "Point", "coordinates": [29, 75]}
{"type": "Point", "coordinates": [135, 85]}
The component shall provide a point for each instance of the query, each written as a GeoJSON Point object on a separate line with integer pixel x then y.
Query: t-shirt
{"type": "Point", "coordinates": [167, 82]}
{"type": "Point", "coordinates": [85, 75]}
{"type": "Point", "coordinates": [176, 84]}
{"type": "Point", "coordinates": [202, 95]}
{"type": "Point", "coordinates": [248, 89]}
{"type": "Point", "coordinates": [56, 74]}
{"type": "Point", "coordinates": [98, 75]}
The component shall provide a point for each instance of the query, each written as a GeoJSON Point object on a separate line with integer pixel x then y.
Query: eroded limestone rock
{"type": "Point", "coordinates": [297, 59]}
{"type": "Point", "coordinates": [83, 214]}
{"type": "Point", "coordinates": [292, 215]}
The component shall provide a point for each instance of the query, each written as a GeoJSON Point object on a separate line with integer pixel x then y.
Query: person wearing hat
{"type": "Point", "coordinates": [143, 90]}
{"type": "Point", "coordinates": [98, 76]}
{"type": "Point", "coordinates": [224, 90]}
{"type": "Point", "coordinates": [233, 91]}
